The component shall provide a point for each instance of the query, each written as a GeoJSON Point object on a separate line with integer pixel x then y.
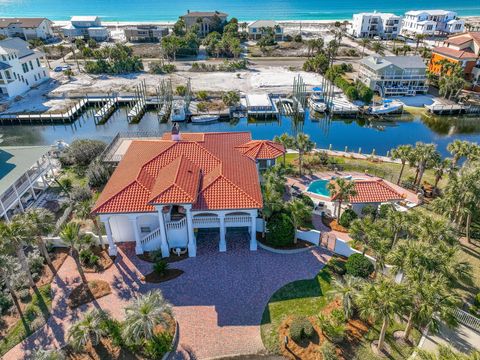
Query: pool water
{"type": "Point", "coordinates": [319, 187]}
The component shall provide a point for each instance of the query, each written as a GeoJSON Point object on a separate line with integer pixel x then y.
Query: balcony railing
{"type": "Point", "coordinates": [238, 219]}
{"type": "Point", "coordinates": [206, 220]}
{"type": "Point", "coordinates": [176, 225]}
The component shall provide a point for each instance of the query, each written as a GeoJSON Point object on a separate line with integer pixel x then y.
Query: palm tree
{"type": "Point", "coordinates": [272, 201]}
{"type": "Point", "coordinates": [462, 149]}
{"type": "Point", "coordinates": [418, 38]}
{"type": "Point", "coordinates": [365, 231]}
{"type": "Point", "coordinates": [440, 167]}
{"type": "Point", "coordinates": [71, 235]}
{"type": "Point", "coordinates": [341, 190]}
{"type": "Point", "coordinates": [142, 316]}
{"type": "Point", "coordinates": [83, 210]}
{"type": "Point", "coordinates": [88, 330]}
{"type": "Point", "coordinates": [14, 236]}
{"type": "Point", "coordinates": [346, 288]}
{"type": "Point", "coordinates": [299, 214]}
{"type": "Point", "coordinates": [41, 221]}
{"type": "Point", "coordinates": [381, 300]}
{"type": "Point", "coordinates": [425, 156]}
{"type": "Point", "coordinates": [303, 145]}
{"type": "Point", "coordinates": [397, 222]}
{"type": "Point", "coordinates": [287, 141]}
{"type": "Point", "coordinates": [378, 47]}
{"type": "Point", "coordinates": [364, 43]}
{"type": "Point", "coordinates": [402, 153]}
{"type": "Point", "coordinates": [48, 354]}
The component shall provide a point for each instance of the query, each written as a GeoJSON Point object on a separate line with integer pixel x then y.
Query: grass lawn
{"type": "Point", "coordinates": [299, 298]}
{"type": "Point", "coordinates": [388, 171]}
{"type": "Point", "coordinates": [35, 315]}
{"type": "Point", "coordinates": [309, 297]}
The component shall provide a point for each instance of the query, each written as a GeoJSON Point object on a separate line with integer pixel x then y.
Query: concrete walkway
{"type": "Point", "coordinates": [218, 301]}
{"type": "Point", "coordinates": [463, 339]}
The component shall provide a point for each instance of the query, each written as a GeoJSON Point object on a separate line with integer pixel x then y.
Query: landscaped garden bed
{"type": "Point", "coordinates": [154, 256]}
{"type": "Point", "coordinates": [169, 274]}
{"type": "Point", "coordinates": [333, 224]}
{"type": "Point", "coordinates": [83, 293]}
{"type": "Point", "coordinates": [300, 244]}
{"type": "Point", "coordinates": [102, 261]}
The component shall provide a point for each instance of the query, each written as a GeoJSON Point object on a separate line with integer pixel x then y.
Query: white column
{"type": "Point", "coordinates": [112, 248]}
{"type": "Point", "coordinates": [163, 234]}
{"type": "Point", "coordinates": [138, 243]}
{"type": "Point", "coordinates": [223, 242]}
{"type": "Point", "coordinates": [18, 198]}
{"type": "Point", "coordinates": [32, 190]}
{"type": "Point", "coordinates": [192, 242]}
{"type": "Point", "coordinates": [253, 232]}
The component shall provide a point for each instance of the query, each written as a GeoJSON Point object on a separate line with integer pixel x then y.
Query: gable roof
{"type": "Point", "coordinates": [373, 191]}
{"type": "Point", "coordinates": [202, 169]}
{"type": "Point", "coordinates": [455, 54]}
{"type": "Point", "coordinates": [204, 14]}
{"type": "Point", "coordinates": [263, 23]}
{"type": "Point", "coordinates": [403, 62]}
{"type": "Point", "coordinates": [262, 149]}
{"type": "Point", "coordinates": [24, 22]}
{"type": "Point", "coordinates": [17, 44]}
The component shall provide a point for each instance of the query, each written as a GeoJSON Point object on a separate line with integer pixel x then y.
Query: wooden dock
{"type": "Point", "coordinates": [453, 109]}
{"type": "Point", "coordinates": [107, 108]}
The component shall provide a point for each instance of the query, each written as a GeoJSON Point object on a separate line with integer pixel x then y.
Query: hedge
{"type": "Point", "coordinates": [280, 230]}
{"type": "Point", "coordinates": [358, 265]}
{"type": "Point", "coordinates": [347, 217]}
{"type": "Point", "coordinates": [301, 328]}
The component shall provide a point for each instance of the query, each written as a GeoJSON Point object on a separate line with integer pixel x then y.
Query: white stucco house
{"type": "Point", "coordinates": [26, 28]}
{"type": "Point", "coordinates": [88, 27]}
{"type": "Point", "coordinates": [372, 24]}
{"type": "Point", "coordinates": [258, 28]}
{"type": "Point", "coordinates": [164, 190]}
{"type": "Point", "coordinates": [431, 22]}
{"type": "Point", "coordinates": [21, 68]}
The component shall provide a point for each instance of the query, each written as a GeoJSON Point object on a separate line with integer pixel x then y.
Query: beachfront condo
{"type": "Point", "coordinates": [432, 22]}
{"type": "Point", "coordinates": [394, 75]}
{"type": "Point", "coordinates": [259, 28]}
{"type": "Point", "coordinates": [369, 25]}
{"type": "Point", "coordinates": [207, 21]}
{"type": "Point", "coordinates": [86, 27]}
{"type": "Point", "coordinates": [26, 28]}
{"type": "Point", "coordinates": [145, 33]}
{"type": "Point", "coordinates": [462, 49]}
{"type": "Point", "coordinates": [21, 68]}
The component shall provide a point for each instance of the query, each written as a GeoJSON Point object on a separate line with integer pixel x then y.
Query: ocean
{"type": "Point", "coordinates": [244, 10]}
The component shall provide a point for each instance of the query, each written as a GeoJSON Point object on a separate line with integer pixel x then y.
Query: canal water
{"type": "Point", "coordinates": [339, 133]}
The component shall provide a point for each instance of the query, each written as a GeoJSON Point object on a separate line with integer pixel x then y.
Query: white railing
{"type": "Point", "coordinates": [204, 220]}
{"type": "Point", "coordinates": [238, 219]}
{"type": "Point", "coordinates": [468, 319]}
{"type": "Point", "coordinates": [150, 236]}
{"type": "Point", "coordinates": [174, 225]}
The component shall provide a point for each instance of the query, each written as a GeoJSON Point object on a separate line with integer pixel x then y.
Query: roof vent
{"type": "Point", "coordinates": [176, 133]}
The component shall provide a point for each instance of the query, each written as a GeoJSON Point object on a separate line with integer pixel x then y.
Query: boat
{"type": "Point", "coordinates": [178, 111]}
{"type": "Point", "coordinates": [203, 119]}
{"type": "Point", "coordinates": [316, 102]}
{"type": "Point", "coordinates": [386, 107]}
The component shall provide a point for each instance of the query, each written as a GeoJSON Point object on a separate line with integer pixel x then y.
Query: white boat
{"type": "Point", "coordinates": [178, 111]}
{"type": "Point", "coordinates": [386, 107]}
{"type": "Point", "coordinates": [316, 102]}
{"type": "Point", "coordinates": [203, 119]}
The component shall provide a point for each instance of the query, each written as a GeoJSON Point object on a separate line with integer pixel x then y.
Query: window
{"type": "Point", "coordinates": [44, 73]}
{"type": "Point", "coordinates": [7, 74]}
{"type": "Point", "coordinates": [25, 68]}
{"type": "Point", "coordinates": [458, 26]}
{"type": "Point", "coordinates": [429, 27]}
{"type": "Point", "coordinates": [31, 65]}
{"type": "Point", "coordinates": [145, 229]}
{"type": "Point", "coordinates": [38, 62]}
{"type": "Point", "coordinates": [35, 77]}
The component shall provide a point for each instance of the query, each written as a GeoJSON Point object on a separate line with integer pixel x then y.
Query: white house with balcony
{"type": "Point", "coordinates": [163, 191]}
{"type": "Point", "coordinates": [369, 25]}
{"type": "Point", "coordinates": [432, 22]}
{"type": "Point", "coordinates": [394, 75]}
{"type": "Point", "coordinates": [87, 27]}
{"type": "Point", "coordinates": [259, 28]}
{"type": "Point", "coordinates": [25, 172]}
{"type": "Point", "coordinates": [21, 68]}
{"type": "Point", "coordinates": [26, 28]}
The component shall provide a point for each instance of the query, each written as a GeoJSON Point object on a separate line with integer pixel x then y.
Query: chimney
{"type": "Point", "coordinates": [176, 133]}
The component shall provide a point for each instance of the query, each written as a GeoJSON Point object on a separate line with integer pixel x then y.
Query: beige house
{"type": "Point", "coordinates": [26, 28]}
{"type": "Point", "coordinates": [206, 20]}
{"type": "Point", "coordinates": [145, 33]}
{"type": "Point", "coordinates": [260, 27]}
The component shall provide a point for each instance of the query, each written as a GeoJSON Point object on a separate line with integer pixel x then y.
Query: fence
{"type": "Point", "coordinates": [468, 319]}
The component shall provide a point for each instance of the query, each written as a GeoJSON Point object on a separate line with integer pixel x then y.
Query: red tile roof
{"type": "Point", "coordinates": [455, 54]}
{"type": "Point", "coordinates": [262, 149]}
{"type": "Point", "coordinates": [373, 191]}
{"type": "Point", "coordinates": [206, 170]}
{"type": "Point", "coordinates": [464, 38]}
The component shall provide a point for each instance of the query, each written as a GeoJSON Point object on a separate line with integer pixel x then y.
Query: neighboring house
{"type": "Point", "coordinates": [26, 28]}
{"type": "Point", "coordinates": [145, 33]}
{"type": "Point", "coordinates": [25, 171]}
{"type": "Point", "coordinates": [260, 27]}
{"type": "Point", "coordinates": [369, 25]}
{"type": "Point", "coordinates": [207, 21]}
{"type": "Point", "coordinates": [163, 191]}
{"type": "Point", "coordinates": [394, 75]}
{"type": "Point", "coordinates": [432, 22]}
{"type": "Point", "coordinates": [462, 49]}
{"type": "Point", "coordinates": [87, 27]}
{"type": "Point", "coordinates": [21, 68]}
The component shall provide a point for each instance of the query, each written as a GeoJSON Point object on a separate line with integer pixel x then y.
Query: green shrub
{"type": "Point", "coordinates": [82, 152]}
{"type": "Point", "coordinates": [158, 67]}
{"type": "Point", "coordinates": [347, 217]}
{"type": "Point", "coordinates": [5, 302]}
{"type": "Point", "coordinates": [337, 266]}
{"type": "Point", "coordinates": [24, 295]}
{"type": "Point", "coordinates": [155, 255]}
{"type": "Point", "coordinates": [280, 230]}
{"type": "Point", "coordinates": [202, 95]}
{"type": "Point", "coordinates": [88, 258]}
{"type": "Point", "coordinates": [332, 327]}
{"type": "Point", "coordinates": [157, 346]}
{"type": "Point", "coordinates": [160, 267]}
{"type": "Point", "coordinates": [307, 200]}
{"type": "Point", "coordinates": [476, 301]}
{"type": "Point", "coordinates": [181, 90]}
{"type": "Point", "coordinates": [97, 174]}
{"type": "Point", "coordinates": [328, 351]}
{"type": "Point", "coordinates": [338, 315]}
{"type": "Point", "coordinates": [358, 265]}
{"type": "Point", "coordinates": [370, 210]}
{"type": "Point", "coordinates": [301, 328]}
{"type": "Point", "coordinates": [384, 209]}
{"type": "Point", "coordinates": [352, 93]}
{"type": "Point", "coordinates": [35, 262]}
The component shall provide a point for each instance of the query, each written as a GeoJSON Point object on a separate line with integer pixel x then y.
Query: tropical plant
{"type": "Point", "coordinates": [358, 265]}
{"type": "Point", "coordinates": [461, 149]}
{"type": "Point", "coordinates": [48, 354]}
{"type": "Point", "coordinates": [286, 140]}
{"type": "Point", "coordinates": [381, 300]}
{"type": "Point", "coordinates": [346, 287]}
{"type": "Point", "coordinates": [347, 217]}
{"type": "Point", "coordinates": [301, 328]}
{"type": "Point", "coordinates": [72, 236]}
{"type": "Point", "coordinates": [364, 42]}
{"type": "Point", "coordinates": [41, 221]}
{"type": "Point", "coordinates": [332, 327]}
{"type": "Point", "coordinates": [280, 230]}
{"type": "Point", "coordinates": [272, 202]}
{"type": "Point", "coordinates": [300, 214]}
{"type": "Point", "coordinates": [402, 153]}
{"type": "Point", "coordinates": [8, 268]}
{"type": "Point", "coordinates": [328, 351]}
{"type": "Point", "coordinates": [341, 190]}
{"type": "Point", "coordinates": [424, 156]}
{"type": "Point", "coordinates": [89, 330]}
{"type": "Point", "coordinates": [231, 98]}
{"type": "Point", "coordinates": [160, 267]}
{"type": "Point", "coordinates": [304, 145]}
{"type": "Point", "coordinates": [143, 315]}
{"type": "Point", "coordinates": [14, 235]}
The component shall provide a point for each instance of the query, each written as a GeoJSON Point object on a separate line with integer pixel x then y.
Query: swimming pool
{"type": "Point", "coordinates": [319, 187]}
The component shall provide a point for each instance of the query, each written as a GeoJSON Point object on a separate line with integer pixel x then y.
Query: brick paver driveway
{"type": "Point", "coordinates": [218, 301]}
